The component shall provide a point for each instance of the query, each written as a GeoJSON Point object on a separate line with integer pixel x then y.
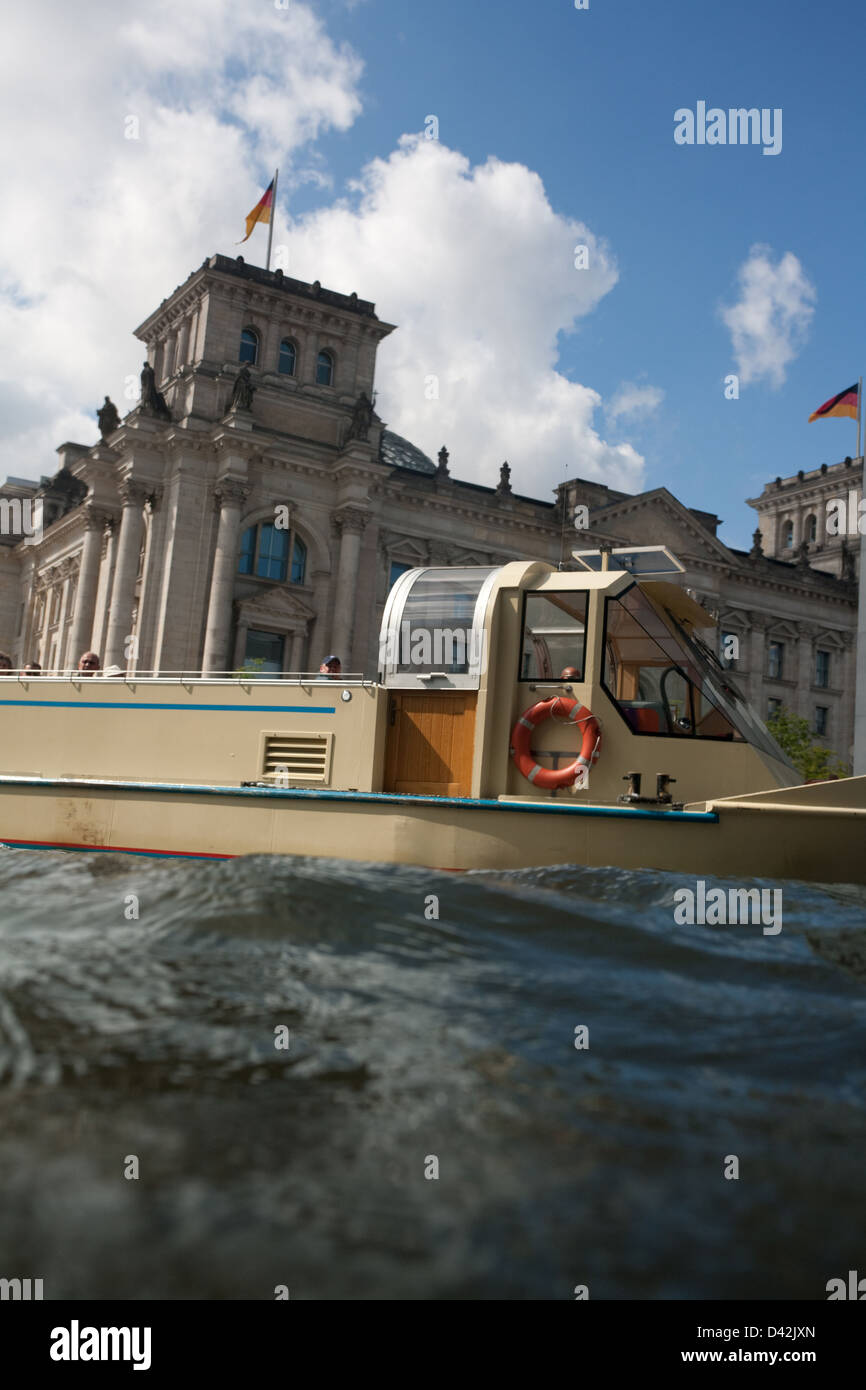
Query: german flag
{"type": "Point", "coordinates": [260, 213]}
{"type": "Point", "coordinates": [846, 403]}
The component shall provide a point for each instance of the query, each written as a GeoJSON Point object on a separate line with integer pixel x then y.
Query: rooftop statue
{"type": "Point", "coordinates": [152, 400]}
{"type": "Point", "coordinates": [362, 418]}
{"type": "Point", "coordinates": [108, 418]}
{"type": "Point", "coordinates": [242, 391]}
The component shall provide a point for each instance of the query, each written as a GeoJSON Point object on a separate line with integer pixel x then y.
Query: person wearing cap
{"type": "Point", "coordinates": [331, 668]}
{"type": "Point", "coordinates": [113, 671]}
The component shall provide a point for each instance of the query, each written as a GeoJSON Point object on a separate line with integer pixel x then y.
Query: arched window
{"type": "Point", "coordinates": [324, 369]}
{"type": "Point", "coordinates": [266, 550]}
{"type": "Point", "coordinates": [788, 534]}
{"type": "Point", "coordinates": [249, 347]}
{"type": "Point", "coordinates": [811, 528]}
{"type": "Point", "coordinates": [287, 358]}
{"type": "Point", "coordinates": [299, 560]}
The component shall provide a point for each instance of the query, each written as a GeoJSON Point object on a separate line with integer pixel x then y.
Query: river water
{"type": "Point", "coordinates": [419, 1043]}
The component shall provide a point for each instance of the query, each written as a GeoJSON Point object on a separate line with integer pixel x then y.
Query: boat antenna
{"type": "Point", "coordinates": [564, 514]}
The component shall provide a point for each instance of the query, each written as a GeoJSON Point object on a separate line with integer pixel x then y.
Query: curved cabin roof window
{"type": "Point", "coordinates": [432, 634]}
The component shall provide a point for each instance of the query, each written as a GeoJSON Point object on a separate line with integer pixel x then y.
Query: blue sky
{"type": "Point", "coordinates": [555, 126]}
{"type": "Point", "coordinates": [586, 99]}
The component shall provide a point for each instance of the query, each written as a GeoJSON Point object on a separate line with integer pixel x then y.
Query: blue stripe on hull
{"type": "Point", "coordinates": [134, 704]}
{"type": "Point", "coordinates": [65, 785]}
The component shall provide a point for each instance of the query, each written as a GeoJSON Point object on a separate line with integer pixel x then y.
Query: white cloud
{"type": "Point", "coordinates": [472, 263]}
{"type": "Point", "coordinates": [769, 321]}
{"type": "Point", "coordinates": [478, 271]}
{"type": "Point", "coordinates": [98, 228]}
{"type": "Point", "coordinates": [631, 401]}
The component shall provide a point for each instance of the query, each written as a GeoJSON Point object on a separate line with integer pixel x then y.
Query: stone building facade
{"type": "Point", "coordinates": [803, 512]}
{"type": "Point", "coordinates": [253, 509]}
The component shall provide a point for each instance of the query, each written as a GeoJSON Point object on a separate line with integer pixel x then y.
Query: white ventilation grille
{"type": "Point", "coordinates": [289, 758]}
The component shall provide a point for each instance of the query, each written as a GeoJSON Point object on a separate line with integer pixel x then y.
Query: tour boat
{"type": "Point", "coordinates": [521, 715]}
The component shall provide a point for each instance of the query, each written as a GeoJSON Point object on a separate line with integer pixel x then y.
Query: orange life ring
{"type": "Point", "coordinates": [574, 714]}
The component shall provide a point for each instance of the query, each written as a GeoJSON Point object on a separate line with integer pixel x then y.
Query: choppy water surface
{"type": "Point", "coordinates": [412, 1038]}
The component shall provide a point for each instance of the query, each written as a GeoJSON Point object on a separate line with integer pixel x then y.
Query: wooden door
{"type": "Point", "coordinates": [430, 738]}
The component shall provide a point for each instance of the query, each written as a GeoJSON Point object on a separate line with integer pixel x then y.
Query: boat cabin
{"type": "Point", "coordinates": [610, 661]}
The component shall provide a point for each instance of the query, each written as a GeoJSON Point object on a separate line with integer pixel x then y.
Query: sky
{"type": "Point", "coordinates": [447, 161]}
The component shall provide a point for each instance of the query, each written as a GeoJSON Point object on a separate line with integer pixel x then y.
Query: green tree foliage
{"type": "Point", "coordinates": [794, 737]}
{"type": "Point", "coordinates": [252, 667]}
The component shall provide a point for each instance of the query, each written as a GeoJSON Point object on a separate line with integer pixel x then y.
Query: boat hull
{"type": "Point", "coordinates": [435, 832]}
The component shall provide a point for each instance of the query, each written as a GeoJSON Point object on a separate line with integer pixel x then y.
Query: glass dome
{"type": "Point", "coordinates": [432, 633]}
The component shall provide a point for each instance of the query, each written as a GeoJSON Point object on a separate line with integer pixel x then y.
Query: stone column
{"type": "Point", "coordinates": [350, 523]}
{"type": "Point", "coordinates": [805, 670]}
{"type": "Point", "coordinates": [85, 594]}
{"type": "Point", "coordinates": [68, 581]}
{"type": "Point", "coordinates": [757, 664]}
{"type": "Point", "coordinates": [168, 357]}
{"type": "Point", "coordinates": [149, 593]}
{"type": "Point", "coordinates": [230, 497]}
{"type": "Point", "coordinates": [133, 496]}
{"type": "Point", "coordinates": [309, 350]}
{"type": "Point", "coordinates": [182, 345]}
{"type": "Point", "coordinates": [296, 655]}
{"type": "Point", "coordinates": [42, 637]}
{"type": "Point", "coordinates": [28, 599]}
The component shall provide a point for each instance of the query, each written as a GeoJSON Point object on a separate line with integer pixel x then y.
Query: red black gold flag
{"type": "Point", "coordinates": [846, 403]}
{"type": "Point", "coordinates": [261, 212]}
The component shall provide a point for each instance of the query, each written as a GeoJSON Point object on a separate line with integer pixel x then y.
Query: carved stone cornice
{"type": "Point", "coordinates": [133, 493]}
{"type": "Point", "coordinates": [230, 492]}
{"type": "Point", "coordinates": [96, 519]}
{"type": "Point", "coordinates": [350, 519]}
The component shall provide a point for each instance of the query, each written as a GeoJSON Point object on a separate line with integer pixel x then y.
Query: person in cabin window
{"type": "Point", "coordinates": [89, 664]}
{"type": "Point", "coordinates": [331, 668]}
{"type": "Point", "coordinates": [569, 673]}
{"type": "Point", "coordinates": [5, 662]}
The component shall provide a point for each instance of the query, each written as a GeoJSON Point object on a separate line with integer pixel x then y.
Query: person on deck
{"type": "Point", "coordinates": [331, 667]}
{"type": "Point", "coordinates": [34, 669]}
{"type": "Point", "coordinates": [5, 662]}
{"type": "Point", "coordinates": [89, 664]}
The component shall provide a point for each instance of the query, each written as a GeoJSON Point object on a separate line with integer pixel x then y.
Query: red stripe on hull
{"type": "Point", "coordinates": [117, 849]}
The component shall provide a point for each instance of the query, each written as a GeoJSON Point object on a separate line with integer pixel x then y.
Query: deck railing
{"type": "Point", "coordinates": [21, 676]}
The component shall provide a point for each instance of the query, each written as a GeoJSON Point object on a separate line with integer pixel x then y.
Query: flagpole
{"type": "Point", "coordinates": [273, 218]}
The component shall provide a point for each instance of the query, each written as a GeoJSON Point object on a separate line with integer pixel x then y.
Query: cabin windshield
{"type": "Point", "coordinates": [665, 681]}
